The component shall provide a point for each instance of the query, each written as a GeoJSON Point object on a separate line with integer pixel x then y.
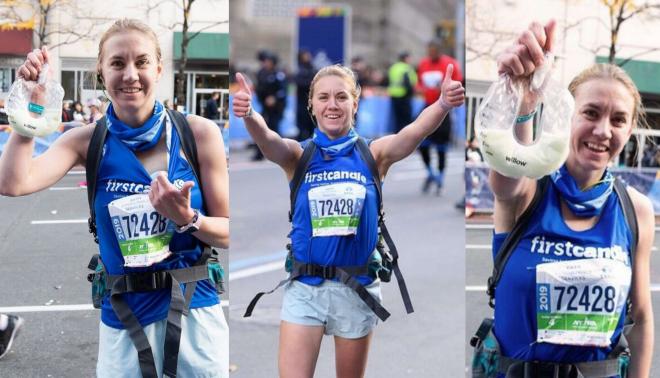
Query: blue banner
{"type": "Point", "coordinates": [323, 31]}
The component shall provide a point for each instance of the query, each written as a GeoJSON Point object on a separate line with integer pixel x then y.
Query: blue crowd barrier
{"type": "Point", "coordinates": [479, 196]}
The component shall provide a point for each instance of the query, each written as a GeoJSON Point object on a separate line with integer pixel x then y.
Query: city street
{"type": "Point", "coordinates": [429, 233]}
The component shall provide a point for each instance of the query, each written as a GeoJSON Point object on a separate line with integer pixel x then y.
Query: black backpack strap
{"type": "Point", "coordinates": [393, 255]}
{"type": "Point", "coordinates": [188, 144]}
{"type": "Point", "coordinates": [365, 154]}
{"type": "Point", "coordinates": [629, 214]}
{"type": "Point", "coordinates": [94, 155]}
{"type": "Point", "coordinates": [631, 221]}
{"type": "Point", "coordinates": [513, 238]}
{"type": "Point", "coordinates": [343, 273]}
{"type": "Point", "coordinates": [298, 175]}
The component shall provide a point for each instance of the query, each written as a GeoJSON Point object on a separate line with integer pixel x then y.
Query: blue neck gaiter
{"type": "Point", "coordinates": [141, 138]}
{"type": "Point", "coordinates": [336, 147]}
{"type": "Point", "coordinates": [587, 203]}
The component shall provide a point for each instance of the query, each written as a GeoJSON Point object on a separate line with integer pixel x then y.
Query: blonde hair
{"type": "Point", "coordinates": [340, 71]}
{"type": "Point", "coordinates": [616, 73]}
{"type": "Point", "coordinates": [124, 25]}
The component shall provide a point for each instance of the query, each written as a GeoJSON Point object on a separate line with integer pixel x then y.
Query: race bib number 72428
{"type": "Point", "coordinates": [579, 302]}
{"type": "Point", "coordinates": [143, 234]}
{"type": "Point", "coordinates": [335, 209]}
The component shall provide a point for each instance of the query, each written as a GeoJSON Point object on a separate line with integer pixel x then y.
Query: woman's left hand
{"type": "Point", "coordinates": [452, 92]}
{"type": "Point", "coordinates": [170, 202]}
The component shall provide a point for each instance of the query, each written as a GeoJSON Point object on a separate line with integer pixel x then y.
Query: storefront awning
{"type": "Point", "coordinates": [204, 46]}
{"type": "Point", "coordinates": [643, 73]}
{"type": "Point", "coordinates": [15, 41]}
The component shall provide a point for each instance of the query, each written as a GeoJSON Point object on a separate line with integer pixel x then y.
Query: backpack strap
{"type": "Point", "coordinates": [94, 155]}
{"type": "Point", "coordinates": [393, 254]}
{"type": "Point", "coordinates": [629, 214]}
{"type": "Point", "coordinates": [299, 173]}
{"type": "Point", "coordinates": [188, 144]}
{"type": "Point", "coordinates": [509, 244]}
{"type": "Point", "coordinates": [631, 221]}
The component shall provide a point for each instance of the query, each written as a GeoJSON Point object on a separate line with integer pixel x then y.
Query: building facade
{"type": "Point", "coordinates": [75, 28]}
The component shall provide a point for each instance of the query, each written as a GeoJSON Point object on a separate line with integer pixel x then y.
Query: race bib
{"type": "Point", "coordinates": [579, 302]}
{"type": "Point", "coordinates": [143, 234]}
{"type": "Point", "coordinates": [335, 209]}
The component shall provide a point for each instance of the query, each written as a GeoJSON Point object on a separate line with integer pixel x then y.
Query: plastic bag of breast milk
{"type": "Point", "coordinates": [546, 143]}
{"type": "Point", "coordinates": [34, 108]}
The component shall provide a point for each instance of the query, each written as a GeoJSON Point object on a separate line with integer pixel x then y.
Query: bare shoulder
{"type": "Point", "coordinates": [78, 139]}
{"type": "Point", "coordinates": [202, 128]}
{"type": "Point", "coordinates": [290, 164]}
{"type": "Point", "coordinates": [377, 146]}
{"type": "Point", "coordinates": [642, 204]}
{"type": "Point", "coordinates": [295, 147]}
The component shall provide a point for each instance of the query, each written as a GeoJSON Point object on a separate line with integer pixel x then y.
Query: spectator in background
{"type": "Point", "coordinates": [3, 114]}
{"type": "Point", "coordinates": [402, 81]}
{"type": "Point", "coordinates": [211, 110]}
{"type": "Point", "coordinates": [67, 112]}
{"type": "Point", "coordinates": [9, 326]}
{"type": "Point", "coordinates": [168, 104]}
{"type": "Point", "coordinates": [94, 106]}
{"type": "Point", "coordinates": [472, 152]}
{"type": "Point", "coordinates": [431, 71]}
{"type": "Point", "coordinates": [78, 112]}
{"type": "Point", "coordinates": [359, 66]}
{"type": "Point", "coordinates": [304, 76]}
{"type": "Point", "coordinates": [271, 92]}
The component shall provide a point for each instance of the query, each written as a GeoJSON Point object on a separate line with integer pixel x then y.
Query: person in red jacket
{"type": "Point", "coordinates": [430, 72]}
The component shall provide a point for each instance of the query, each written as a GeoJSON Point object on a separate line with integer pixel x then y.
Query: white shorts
{"type": "Point", "coordinates": [332, 305]}
{"type": "Point", "coordinates": [203, 352]}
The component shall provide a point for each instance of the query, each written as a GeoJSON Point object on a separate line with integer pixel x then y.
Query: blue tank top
{"type": "Point", "coordinates": [336, 250]}
{"type": "Point", "coordinates": [549, 239]}
{"type": "Point", "coordinates": [121, 174]}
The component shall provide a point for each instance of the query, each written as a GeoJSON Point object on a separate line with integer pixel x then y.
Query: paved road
{"type": "Point", "coordinates": [43, 269]}
{"type": "Point", "coordinates": [479, 267]}
{"type": "Point", "coordinates": [429, 233]}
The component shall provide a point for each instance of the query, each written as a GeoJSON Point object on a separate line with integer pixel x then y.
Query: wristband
{"type": "Point", "coordinates": [526, 117]}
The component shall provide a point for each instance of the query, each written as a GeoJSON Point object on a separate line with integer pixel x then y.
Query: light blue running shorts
{"type": "Point", "coordinates": [203, 352]}
{"type": "Point", "coordinates": [333, 305]}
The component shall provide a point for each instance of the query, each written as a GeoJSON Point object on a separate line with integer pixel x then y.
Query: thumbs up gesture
{"type": "Point", "coordinates": [452, 92]}
{"type": "Point", "coordinates": [242, 99]}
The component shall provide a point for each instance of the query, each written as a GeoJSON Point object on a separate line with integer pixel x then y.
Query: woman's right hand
{"type": "Point", "coordinates": [520, 60]}
{"type": "Point", "coordinates": [33, 65]}
{"type": "Point", "coordinates": [242, 99]}
{"type": "Point", "coordinates": [527, 53]}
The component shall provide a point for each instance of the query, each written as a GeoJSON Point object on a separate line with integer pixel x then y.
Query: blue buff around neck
{"type": "Point", "coordinates": [335, 147]}
{"type": "Point", "coordinates": [583, 203]}
{"type": "Point", "coordinates": [138, 138]}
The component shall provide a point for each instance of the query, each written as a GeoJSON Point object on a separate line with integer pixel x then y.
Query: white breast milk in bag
{"type": "Point", "coordinates": [496, 118]}
{"type": "Point", "coordinates": [35, 108]}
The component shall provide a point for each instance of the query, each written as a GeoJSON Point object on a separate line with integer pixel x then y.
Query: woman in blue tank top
{"type": "Point", "coordinates": [335, 216]}
{"type": "Point", "coordinates": [561, 301]}
{"type": "Point", "coordinates": [151, 215]}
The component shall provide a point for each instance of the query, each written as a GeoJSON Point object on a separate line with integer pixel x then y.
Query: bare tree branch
{"type": "Point", "coordinates": [628, 59]}
{"type": "Point", "coordinates": [206, 28]}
